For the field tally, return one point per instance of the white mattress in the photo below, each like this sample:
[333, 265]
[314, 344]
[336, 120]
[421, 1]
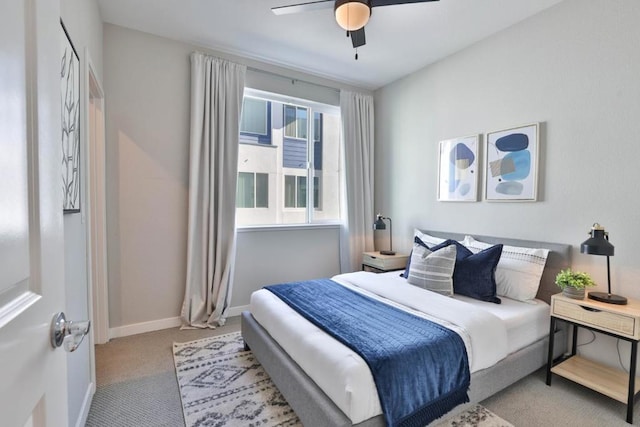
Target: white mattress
[490, 332]
[526, 323]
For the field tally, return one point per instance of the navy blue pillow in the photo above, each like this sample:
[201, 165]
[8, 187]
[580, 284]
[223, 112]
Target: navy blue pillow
[474, 274]
[462, 251]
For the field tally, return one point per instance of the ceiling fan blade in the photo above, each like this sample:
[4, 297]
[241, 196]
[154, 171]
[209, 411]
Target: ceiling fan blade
[302, 7]
[375, 3]
[357, 37]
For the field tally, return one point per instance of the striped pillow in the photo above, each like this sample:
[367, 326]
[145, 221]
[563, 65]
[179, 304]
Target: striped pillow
[519, 270]
[433, 270]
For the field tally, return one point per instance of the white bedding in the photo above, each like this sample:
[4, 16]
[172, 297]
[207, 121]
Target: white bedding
[526, 323]
[490, 332]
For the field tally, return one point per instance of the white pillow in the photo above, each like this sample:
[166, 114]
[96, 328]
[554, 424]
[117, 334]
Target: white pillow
[519, 270]
[427, 238]
[433, 270]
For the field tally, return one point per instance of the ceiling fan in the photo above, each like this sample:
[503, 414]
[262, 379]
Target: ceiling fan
[352, 15]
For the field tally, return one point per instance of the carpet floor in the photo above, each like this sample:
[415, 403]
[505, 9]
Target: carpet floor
[137, 387]
[222, 384]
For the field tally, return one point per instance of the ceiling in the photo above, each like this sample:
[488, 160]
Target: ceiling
[400, 39]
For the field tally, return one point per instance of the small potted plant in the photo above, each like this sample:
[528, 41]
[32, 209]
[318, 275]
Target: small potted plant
[573, 283]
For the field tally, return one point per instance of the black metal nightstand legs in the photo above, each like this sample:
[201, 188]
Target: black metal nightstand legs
[552, 331]
[574, 339]
[632, 380]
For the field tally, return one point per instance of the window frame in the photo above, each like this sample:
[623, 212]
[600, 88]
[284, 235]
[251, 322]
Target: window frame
[311, 175]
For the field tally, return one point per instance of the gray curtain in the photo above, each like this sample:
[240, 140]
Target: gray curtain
[357, 131]
[217, 88]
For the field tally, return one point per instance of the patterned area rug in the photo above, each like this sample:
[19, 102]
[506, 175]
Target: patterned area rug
[223, 385]
[476, 416]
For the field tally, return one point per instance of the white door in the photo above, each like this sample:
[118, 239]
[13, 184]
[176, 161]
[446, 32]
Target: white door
[33, 388]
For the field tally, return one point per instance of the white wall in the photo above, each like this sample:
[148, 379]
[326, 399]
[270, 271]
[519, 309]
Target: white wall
[298, 254]
[576, 69]
[84, 25]
[147, 85]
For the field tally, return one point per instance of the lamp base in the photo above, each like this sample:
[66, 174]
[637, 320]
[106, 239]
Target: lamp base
[387, 253]
[608, 298]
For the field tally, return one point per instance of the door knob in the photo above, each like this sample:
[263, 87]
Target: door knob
[68, 332]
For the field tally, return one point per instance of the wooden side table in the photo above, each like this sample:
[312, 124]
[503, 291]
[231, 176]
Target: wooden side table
[380, 263]
[619, 321]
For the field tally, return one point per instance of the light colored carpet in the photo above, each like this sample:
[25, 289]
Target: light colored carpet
[136, 379]
[137, 387]
[221, 384]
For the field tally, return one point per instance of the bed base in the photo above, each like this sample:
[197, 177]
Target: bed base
[315, 409]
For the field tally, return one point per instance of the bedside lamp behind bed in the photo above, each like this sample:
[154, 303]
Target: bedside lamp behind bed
[380, 225]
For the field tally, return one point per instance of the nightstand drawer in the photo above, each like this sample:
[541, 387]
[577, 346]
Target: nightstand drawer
[384, 262]
[611, 322]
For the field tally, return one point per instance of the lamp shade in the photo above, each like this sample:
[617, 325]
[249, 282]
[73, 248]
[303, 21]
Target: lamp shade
[598, 243]
[352, 14]
[379, 224]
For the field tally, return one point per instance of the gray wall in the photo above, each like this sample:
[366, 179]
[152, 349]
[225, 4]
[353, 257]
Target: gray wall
[272, 255]
[84, 25]
[147, 84]
[575, 68]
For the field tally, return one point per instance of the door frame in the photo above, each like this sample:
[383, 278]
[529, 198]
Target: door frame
[98, 291]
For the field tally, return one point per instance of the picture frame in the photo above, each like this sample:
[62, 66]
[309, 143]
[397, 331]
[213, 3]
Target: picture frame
[458, 169]
[511, 164]
[70, 119]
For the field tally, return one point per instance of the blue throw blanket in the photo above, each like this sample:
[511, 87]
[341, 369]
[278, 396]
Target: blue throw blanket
[420, 368]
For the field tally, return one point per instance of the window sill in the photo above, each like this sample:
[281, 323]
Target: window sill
[257, 144]
[287, 227]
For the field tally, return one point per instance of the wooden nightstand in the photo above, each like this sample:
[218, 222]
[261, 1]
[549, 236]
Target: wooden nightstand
[619, 321]
[380, 263]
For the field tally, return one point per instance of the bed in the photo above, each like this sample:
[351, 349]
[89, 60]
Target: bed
[527, 333]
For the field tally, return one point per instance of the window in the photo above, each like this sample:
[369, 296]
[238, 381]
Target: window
[295, 122]
[317, 127]
[252, 190]
[290, 191]
[295, 191]
[254, 116]
[295, 178]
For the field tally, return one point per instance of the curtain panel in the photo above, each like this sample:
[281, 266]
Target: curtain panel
[217, 88]
[357, 130]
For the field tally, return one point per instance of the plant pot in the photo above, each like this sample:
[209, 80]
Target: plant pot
[573, 293]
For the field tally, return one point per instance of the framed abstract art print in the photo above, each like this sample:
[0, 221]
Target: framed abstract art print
[512, 164]
[458, 169]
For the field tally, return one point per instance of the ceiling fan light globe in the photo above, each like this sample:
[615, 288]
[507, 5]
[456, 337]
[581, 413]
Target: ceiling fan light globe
[352, 15]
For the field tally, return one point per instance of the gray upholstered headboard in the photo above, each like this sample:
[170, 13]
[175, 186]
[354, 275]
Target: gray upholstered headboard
[558, 259]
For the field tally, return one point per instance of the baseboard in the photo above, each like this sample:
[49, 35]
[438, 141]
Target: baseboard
[156, 325]
[140, 328]
[86, 405]
[236, 311]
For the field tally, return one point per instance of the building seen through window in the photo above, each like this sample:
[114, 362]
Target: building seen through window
[289, 163]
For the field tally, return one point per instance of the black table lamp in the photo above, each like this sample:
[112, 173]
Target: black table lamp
[598, 244]
[380, 225]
